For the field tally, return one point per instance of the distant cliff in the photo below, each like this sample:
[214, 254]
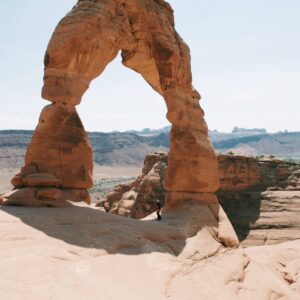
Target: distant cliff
[130, 148]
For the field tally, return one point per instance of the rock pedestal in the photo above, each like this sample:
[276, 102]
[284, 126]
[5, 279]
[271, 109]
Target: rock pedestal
[58, 162]
[60, 154]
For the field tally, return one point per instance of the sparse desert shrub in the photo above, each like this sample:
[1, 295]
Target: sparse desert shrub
[230, 153]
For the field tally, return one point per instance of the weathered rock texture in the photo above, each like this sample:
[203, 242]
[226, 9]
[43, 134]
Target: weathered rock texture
[237, 172]
[267, 211]
[81, 253]
[85, 41]
[58, 160]
[138, 199]
[59, 154]
[261, 197]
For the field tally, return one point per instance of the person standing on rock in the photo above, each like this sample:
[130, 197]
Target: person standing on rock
[158, 209]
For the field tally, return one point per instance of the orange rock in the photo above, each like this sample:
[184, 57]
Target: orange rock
[41, 179]
[60, 154]
[174, 197]
[29, 197]
[44, 197]
[85, 41]
[144, 32]
[238, 172]
[138, 198]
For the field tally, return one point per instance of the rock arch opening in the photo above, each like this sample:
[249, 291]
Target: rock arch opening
[121, 100]
[58, 163]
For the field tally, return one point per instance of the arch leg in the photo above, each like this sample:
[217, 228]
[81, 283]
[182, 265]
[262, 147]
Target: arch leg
[58, 162]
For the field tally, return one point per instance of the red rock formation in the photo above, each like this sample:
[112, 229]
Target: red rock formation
[137, 199]
[60, 154]
[266, 212]
[260, 196]
[238, 172]
[85, 41]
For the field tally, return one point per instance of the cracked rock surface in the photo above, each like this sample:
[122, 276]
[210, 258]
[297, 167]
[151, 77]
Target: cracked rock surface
[79, 253]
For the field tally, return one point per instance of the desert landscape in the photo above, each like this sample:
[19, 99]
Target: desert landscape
[179, 212]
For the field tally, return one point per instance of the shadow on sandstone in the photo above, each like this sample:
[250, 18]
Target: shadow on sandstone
[90, 228]
[242, 208]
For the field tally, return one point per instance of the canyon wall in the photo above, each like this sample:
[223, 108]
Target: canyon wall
[260, 196]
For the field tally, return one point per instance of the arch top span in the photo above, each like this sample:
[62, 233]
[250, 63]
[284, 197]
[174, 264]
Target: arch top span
[88, 38]
[84, 42]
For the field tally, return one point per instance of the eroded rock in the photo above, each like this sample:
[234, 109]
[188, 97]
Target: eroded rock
[238, 172]
[260, 196]
[265, 212]
[44, 197]
[85, 41]
[137, 199]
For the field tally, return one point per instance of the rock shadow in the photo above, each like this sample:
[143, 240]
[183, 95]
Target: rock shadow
[242, 209]
[91, 228]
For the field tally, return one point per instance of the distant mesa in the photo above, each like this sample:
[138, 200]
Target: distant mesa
[130, 148]
[245, 130]
[149, 131]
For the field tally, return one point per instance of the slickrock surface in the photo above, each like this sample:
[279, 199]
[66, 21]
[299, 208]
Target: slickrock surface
[84, 42]
[261, 197]
[82, 253]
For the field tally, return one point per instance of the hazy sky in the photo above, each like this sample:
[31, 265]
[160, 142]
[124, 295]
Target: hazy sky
[245, 60]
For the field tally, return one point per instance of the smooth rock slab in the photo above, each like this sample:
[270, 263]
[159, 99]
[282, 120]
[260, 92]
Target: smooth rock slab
[80, 253]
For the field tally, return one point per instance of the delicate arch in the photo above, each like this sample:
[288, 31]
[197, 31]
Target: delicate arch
[85, 41]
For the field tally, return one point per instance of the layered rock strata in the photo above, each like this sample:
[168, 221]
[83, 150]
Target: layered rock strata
[260, 196]
[58, 162]
[137, 199]
[267, 211]
[85, 41]
[237, 172]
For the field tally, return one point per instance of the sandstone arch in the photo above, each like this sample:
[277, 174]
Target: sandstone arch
[58, 162]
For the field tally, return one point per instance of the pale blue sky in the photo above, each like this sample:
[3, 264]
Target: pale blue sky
[245, 60]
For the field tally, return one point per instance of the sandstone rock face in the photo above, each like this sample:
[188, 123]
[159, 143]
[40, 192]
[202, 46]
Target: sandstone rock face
[44, 197]
[266, 212]
[138, 198]
[238, 172]
[59, 154]
[261, 197]
[85, 41]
